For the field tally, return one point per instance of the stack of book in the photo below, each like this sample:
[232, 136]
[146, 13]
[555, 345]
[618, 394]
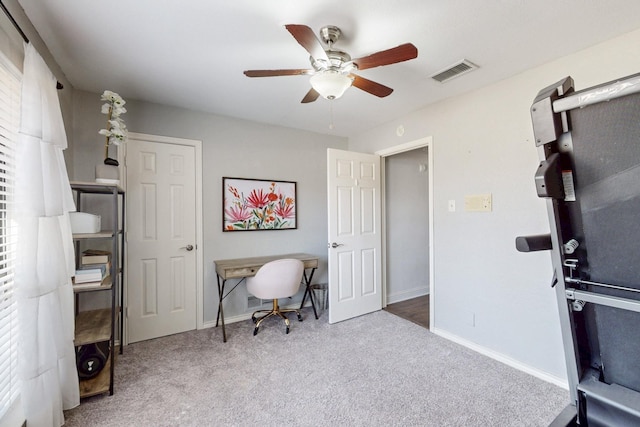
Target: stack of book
[95, 256]
[89, 276]
[95, 265]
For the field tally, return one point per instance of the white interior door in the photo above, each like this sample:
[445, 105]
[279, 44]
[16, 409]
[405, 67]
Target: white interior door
[161, 239]
[355, 241]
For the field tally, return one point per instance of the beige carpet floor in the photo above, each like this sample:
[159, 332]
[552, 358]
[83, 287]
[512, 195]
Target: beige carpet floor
[374, 370]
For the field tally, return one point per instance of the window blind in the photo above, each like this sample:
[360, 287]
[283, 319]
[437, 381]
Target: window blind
[9, 124]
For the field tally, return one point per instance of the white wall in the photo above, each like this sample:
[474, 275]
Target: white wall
[234, 148]
[486, 293]
[407, 225]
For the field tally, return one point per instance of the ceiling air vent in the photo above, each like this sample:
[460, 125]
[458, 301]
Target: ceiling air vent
[457, 69]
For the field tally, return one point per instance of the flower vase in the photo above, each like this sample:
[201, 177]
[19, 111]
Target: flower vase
[107, 174]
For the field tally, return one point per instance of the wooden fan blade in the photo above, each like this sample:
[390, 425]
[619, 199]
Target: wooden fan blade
[308, 40]
[394, 55]
[370, 86]
[311, 96]
[273, 73]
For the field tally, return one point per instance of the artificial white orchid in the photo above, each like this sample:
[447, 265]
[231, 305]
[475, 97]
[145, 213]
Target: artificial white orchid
[116, 132]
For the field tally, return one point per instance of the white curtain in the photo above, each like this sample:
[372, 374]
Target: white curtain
[45, 252]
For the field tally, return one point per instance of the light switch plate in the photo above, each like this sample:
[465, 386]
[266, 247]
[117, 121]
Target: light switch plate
[452, 205]
[478, 203]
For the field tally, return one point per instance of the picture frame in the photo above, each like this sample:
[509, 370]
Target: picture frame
[258, 204]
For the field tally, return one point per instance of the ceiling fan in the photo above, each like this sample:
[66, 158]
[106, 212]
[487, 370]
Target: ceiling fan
[332, 71]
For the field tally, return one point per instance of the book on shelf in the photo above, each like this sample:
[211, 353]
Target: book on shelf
[95, 256]
[93, 274]
[86, 285]
[106, 266]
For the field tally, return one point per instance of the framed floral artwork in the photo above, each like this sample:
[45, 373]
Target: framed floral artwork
[258, 204]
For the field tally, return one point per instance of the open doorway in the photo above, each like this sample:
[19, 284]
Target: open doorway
[415, 310]
[407, 229]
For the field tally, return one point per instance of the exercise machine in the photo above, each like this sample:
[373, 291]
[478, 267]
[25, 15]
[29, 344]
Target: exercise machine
[590, 177]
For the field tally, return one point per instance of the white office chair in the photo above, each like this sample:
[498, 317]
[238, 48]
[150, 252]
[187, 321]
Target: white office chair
[276, 279]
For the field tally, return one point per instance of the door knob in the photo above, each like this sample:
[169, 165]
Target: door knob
[188, 247]
[335, 245]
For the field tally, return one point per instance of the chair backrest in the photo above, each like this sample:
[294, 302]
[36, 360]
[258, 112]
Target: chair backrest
[276, 279]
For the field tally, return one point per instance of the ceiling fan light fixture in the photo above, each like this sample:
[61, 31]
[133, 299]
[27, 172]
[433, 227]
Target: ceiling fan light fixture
[330, 84]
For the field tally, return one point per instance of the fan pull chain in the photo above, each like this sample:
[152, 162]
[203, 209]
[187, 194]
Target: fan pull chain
[331, 114]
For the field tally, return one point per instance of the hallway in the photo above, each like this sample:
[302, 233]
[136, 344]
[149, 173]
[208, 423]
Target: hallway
[415, 310]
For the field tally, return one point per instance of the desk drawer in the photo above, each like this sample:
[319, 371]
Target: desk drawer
[239, 268]
[310, 263]
[241, 272]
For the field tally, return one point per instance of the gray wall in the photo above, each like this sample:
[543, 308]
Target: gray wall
[407, 225]
[487, 295]
[234, 148]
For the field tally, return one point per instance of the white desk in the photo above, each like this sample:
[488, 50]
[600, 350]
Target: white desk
[241, 268]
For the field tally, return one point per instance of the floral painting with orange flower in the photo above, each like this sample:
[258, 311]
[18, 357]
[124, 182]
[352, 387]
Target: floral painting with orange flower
[257, 204]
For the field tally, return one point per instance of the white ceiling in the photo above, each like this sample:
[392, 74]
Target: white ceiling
[192, 53]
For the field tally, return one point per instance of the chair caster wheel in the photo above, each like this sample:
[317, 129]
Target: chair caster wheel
[299, 317]
[253, 318]
[287, 329]
[255, 331]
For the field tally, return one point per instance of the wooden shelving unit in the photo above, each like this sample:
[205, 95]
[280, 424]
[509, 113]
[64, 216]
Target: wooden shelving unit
[93, 326]
[101, 325]
[106, 284]
[99, 384]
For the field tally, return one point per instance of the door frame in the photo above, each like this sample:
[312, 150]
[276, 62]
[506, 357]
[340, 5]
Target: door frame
[197, 145]
[397, 149]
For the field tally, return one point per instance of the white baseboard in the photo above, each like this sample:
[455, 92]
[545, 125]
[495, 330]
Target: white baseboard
[560, 382]
[407, 294]
[228, 320]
